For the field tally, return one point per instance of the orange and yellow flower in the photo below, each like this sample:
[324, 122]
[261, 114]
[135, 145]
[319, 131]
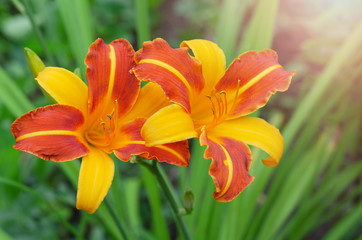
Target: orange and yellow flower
[212, 104]
[92, 121]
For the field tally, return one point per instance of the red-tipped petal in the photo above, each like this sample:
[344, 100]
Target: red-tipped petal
[230, 164]
[109, 78]
[51, 133]
[259, 76]
[134, 145]
[174, 70]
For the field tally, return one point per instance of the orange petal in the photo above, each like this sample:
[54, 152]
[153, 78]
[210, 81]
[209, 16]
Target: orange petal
[95, 178]
[150, 100]
[51, 133]
[250, 81]
[134, 145]
[109, 78]
[174, 70]
[230, 164]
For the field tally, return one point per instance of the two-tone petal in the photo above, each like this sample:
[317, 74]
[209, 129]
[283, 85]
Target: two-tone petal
[51, 133]
[133, 144]
[111, 85]
[253, 131]
[230, 164]
[174, 70]
[250, 81]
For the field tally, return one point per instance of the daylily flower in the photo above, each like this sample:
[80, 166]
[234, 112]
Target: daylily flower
[212, 104]
[92, 121]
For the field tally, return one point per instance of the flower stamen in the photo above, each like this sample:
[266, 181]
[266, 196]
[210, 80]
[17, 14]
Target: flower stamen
[218, 107]
[102, 134]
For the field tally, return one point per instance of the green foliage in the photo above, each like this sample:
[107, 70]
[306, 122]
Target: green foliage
[314, 193]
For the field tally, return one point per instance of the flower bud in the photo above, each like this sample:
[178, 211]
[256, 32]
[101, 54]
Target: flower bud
[36, 65]
[188, 201]
[77, 72]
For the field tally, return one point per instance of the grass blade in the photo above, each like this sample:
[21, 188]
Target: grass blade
[228, 25]
[12, 97]
[159, 226]
[346, 52]
[260, 31]
[51, 209]
[142, 22]
[76, 20]
[340, 230]
[4, 235]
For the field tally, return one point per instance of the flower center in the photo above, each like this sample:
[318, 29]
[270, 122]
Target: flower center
[102, 131]
[219, 105]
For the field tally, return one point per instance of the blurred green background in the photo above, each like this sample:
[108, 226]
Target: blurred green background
[314, 193]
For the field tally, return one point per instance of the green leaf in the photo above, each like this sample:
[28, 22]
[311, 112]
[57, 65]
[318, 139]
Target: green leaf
[351, 220]
[12, 97]
[346, 52]
[228, 25]
[260, 31]
[78, 25]
[142, 21]
[4, 235]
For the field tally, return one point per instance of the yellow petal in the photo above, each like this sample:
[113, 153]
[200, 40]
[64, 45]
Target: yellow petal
[212, 59]
[256, 132]
[170, 124]
[95, 179]
[151, 99]
[64, 86]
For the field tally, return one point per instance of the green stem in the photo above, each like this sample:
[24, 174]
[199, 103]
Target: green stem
[155, 169]
[142, 22]
[115, 218]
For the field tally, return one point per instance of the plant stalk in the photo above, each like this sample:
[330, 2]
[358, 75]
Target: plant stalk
[155, 169]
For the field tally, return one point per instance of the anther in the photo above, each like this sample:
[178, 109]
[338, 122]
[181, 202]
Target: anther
[212, 104]
[223, 93]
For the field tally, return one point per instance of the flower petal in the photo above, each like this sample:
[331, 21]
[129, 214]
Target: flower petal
[250, 81]
[64, 86]
[230, 164]
[109, 77]
[134, 145]
[95, 179]
[212, 59]
[174, 70]
[170, 124]
[51, 133]
[150, 100]
[256, 132]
